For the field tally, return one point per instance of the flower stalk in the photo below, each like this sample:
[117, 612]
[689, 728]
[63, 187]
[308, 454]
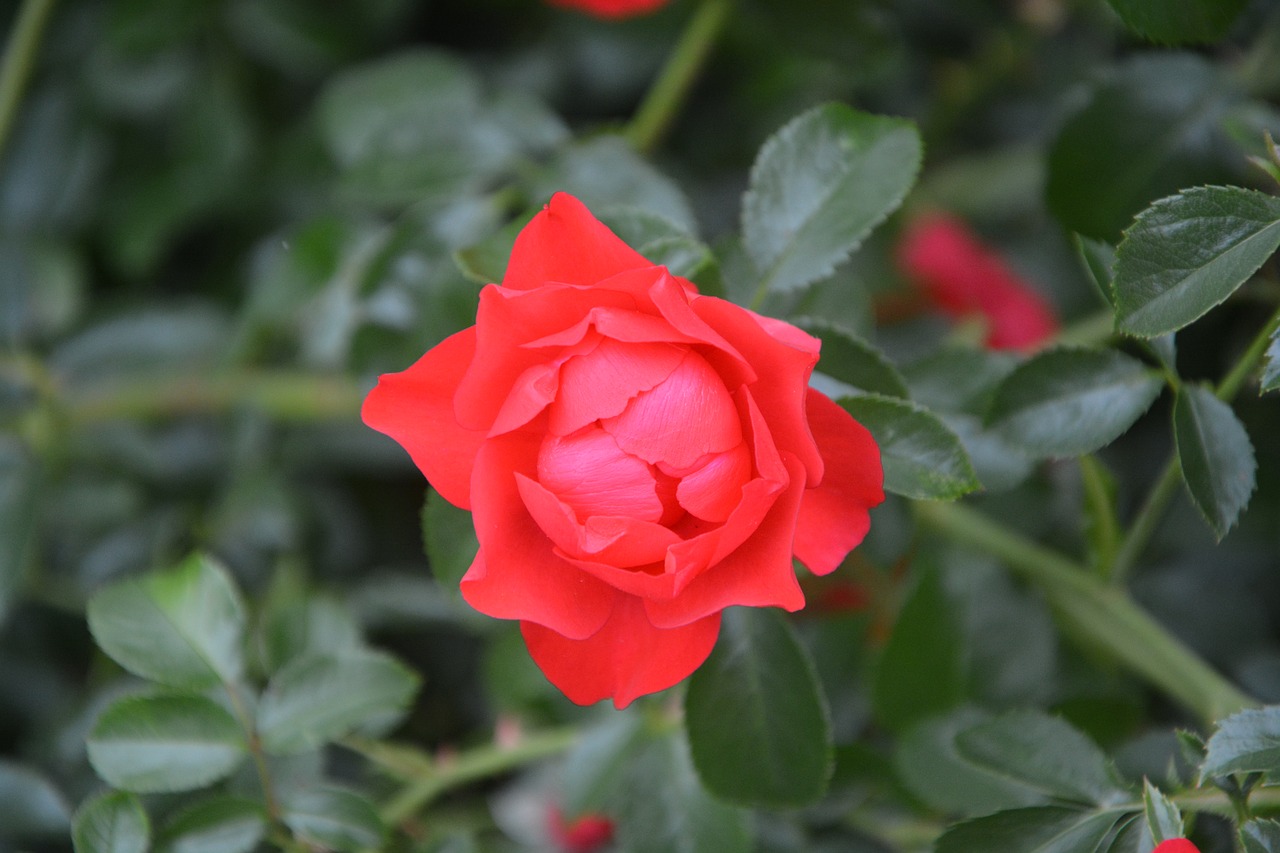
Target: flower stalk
[19, 60]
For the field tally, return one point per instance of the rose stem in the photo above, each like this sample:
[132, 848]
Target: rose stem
[19, 60]
[665, 97]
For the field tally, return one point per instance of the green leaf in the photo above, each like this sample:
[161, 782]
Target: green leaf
[486, 261]
[318, 698]
[167, 742]
[30, 806]
[334, 818]
[112, 822]
[956, 379]
[818, 187]
[1246, 742]
[660, 240]
[930, 764]
[1181, 22]
[1271, 364]
[628, 754]
[922, 458]
[1260, 836]
[220, 825]
[310, 626]
[1099, 260]
[853, 361]
[757, 721]
[1044, 829]
[1150, 128]
[1189, 252]
[1217, 459]
[922, 671]
[1066, 401]
[1163, 819]
[450, 537]
[182, 627]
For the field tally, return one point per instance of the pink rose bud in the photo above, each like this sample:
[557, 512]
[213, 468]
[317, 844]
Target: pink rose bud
[585, 834]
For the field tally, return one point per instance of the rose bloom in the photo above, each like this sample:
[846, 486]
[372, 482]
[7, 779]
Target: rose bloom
[615, 9]
[965, 278]
[637, 457]
[586, 834]
[1176, 845]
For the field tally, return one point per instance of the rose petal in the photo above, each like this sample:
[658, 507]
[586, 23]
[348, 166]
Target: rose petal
[589, 472]
[712, 491]
[415, 407]
[517, 574]
[834, 515]
[627, 658]
[505, 321]
[600, 383]
[783, 378]
[759, 573]
[565, 243]
[686, 416]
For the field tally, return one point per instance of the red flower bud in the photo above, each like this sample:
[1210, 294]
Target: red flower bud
[1176, 845]
[586, 834]
[614, 9]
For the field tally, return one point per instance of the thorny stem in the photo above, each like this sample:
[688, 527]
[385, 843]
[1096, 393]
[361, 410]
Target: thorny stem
[19, 60]
[667, 95]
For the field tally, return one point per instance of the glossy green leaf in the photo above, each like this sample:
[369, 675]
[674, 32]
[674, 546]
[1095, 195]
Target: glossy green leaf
[625, 755]
[1246, 742]
[818, 187]
[1189, 252]
[183, 627]
[1150, 128]
[318, 698]
[853, 361]
[922, 458]
[1163, 819]
[1217, 459]
[111, 822]
[30, 806]
[153, 744]
[450, 537]
[1271, 364]
[1043, 829]
[1099, 260]
[922, 671]
[333, 818]
[220, 825]
[1186, 21]
[1260, 836]
[1065, 402]
[757, 721]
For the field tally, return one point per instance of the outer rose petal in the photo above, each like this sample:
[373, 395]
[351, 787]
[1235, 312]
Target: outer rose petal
[516, 574]
[564, 242]
[415, 407]
[625, 659]
[833, 515]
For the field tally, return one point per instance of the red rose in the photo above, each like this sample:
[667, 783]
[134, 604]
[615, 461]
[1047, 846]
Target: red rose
[1176, 845]
[586, 834]
[636, 457]
[966, 278]
[612, 8]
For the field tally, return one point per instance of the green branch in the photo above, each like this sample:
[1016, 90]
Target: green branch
[663, 102]
[20, 59]
[1101, 614]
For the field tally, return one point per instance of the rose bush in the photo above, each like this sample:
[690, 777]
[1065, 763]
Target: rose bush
[966, 278]
[637, 457]
[612, 8]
